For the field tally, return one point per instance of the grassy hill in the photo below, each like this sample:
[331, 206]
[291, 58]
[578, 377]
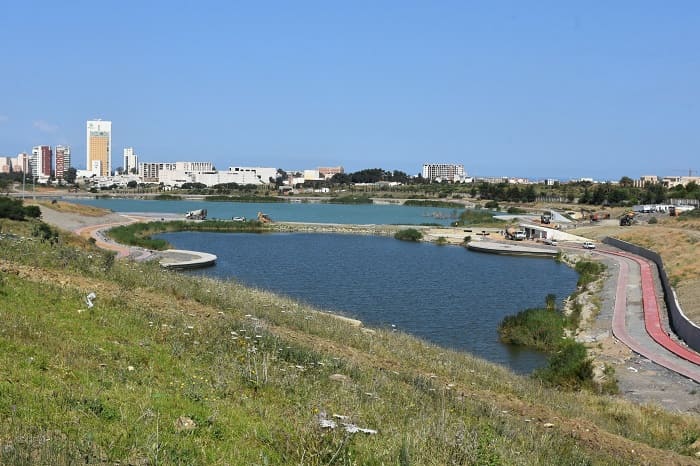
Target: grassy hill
[167, 369]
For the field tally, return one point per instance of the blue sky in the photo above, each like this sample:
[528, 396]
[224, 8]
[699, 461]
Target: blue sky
[539, 89]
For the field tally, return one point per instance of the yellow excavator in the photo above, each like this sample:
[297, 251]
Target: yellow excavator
[626, 219]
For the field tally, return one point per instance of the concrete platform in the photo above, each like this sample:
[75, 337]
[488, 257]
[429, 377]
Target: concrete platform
[181, 259]
[516, 249]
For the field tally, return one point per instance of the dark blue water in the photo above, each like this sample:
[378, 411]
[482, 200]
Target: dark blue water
[288, 212]
[444, 294]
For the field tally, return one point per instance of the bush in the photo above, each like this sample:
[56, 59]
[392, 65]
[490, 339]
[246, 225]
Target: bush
[653, 220]
[410, 234]
[14, 209]
[492, 205]
[516, 210]
[569, 367]
[535, 328]
[588, 271]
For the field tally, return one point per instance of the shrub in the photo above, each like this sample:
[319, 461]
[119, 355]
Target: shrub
[410, 234]
[516, 210]
[492, 205]
[569, 367]
[653, 220]
[536, 328]
[588, 271]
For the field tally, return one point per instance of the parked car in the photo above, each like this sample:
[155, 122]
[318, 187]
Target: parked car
[588, 245]
[551, 242]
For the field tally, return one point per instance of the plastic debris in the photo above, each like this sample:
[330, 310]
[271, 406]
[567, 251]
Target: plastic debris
[89, 298]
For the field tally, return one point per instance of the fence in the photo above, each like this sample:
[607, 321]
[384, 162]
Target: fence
[681, 325]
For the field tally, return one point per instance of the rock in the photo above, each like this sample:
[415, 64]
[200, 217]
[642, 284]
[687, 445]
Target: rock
[185, 424]
[548, 425]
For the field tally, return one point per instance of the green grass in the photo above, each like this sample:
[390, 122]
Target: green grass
[471, 217]
[68, 394]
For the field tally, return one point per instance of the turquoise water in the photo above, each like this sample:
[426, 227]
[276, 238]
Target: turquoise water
[288, 212]
[443, 294]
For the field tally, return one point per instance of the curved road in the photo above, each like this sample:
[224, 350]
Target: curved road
[637, 319]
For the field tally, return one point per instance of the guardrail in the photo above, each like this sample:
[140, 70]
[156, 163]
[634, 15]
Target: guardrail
[681, 325]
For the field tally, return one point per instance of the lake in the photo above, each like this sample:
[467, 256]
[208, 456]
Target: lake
[444, 294]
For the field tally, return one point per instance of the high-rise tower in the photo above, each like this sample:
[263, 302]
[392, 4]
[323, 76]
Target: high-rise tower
[99, 147]
[62, 156]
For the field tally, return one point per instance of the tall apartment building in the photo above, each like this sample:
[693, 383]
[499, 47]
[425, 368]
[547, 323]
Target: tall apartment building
[131, 161]
[444, 171]
[23, 163]
[99, 147]
[62, 156]
[40, 161]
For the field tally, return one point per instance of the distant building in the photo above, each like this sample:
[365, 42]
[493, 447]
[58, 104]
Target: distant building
[443, 171]
[6, 164]
[328, 172]
[645, 180]
[673, 181]
[62, 155]
[22, 164]
[131, 161]
[99, 147]
[40, 161]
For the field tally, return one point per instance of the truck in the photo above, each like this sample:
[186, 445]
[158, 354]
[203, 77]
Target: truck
[516, 235]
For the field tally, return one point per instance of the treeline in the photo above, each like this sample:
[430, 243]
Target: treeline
[375, 175]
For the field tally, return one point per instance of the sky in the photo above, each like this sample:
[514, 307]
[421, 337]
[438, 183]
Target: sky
[542, 89]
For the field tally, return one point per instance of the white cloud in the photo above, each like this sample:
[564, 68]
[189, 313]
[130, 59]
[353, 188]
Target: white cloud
[45, 126]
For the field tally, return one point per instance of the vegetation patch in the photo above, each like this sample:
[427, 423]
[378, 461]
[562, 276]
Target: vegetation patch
[421, 203]
[353, 199]
[478, 217]
[139, 234]
[261, 199]
[545, 329]
[409, 234]
[14, 209]
[167, 197]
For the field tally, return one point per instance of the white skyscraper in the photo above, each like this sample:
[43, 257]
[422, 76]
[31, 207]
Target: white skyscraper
[99, 147]
[131, 161]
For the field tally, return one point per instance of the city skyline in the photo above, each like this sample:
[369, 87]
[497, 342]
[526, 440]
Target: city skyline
[539, 91]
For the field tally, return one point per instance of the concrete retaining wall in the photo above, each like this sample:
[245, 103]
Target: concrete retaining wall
[681, 325]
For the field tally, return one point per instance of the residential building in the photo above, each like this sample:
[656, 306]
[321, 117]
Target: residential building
[131, 161]
[62, 156]
[328, 172]
[673, 181]
[645, 180]
[443, 171]
[99, 147]
[22, 164]
[40, 161]
[6, 164]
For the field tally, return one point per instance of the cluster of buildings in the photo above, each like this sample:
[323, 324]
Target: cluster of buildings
[46, 163]
[43, 163]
